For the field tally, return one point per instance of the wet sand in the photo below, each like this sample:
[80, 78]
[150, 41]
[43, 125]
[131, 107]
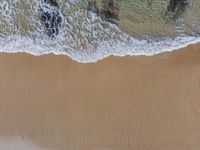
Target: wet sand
[127, 103]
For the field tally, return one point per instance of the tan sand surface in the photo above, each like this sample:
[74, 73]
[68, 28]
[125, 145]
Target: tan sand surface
[127, 103]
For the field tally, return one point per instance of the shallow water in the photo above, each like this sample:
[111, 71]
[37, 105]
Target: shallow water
[16, 143]
[144, 27]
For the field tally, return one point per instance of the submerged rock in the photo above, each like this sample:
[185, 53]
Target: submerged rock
[176, 7]
[51, 22]
[107, 9]
[52, 2]
[177, 3]
[110, 9]
[51, 18]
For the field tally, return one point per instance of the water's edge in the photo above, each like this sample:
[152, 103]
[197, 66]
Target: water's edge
[120, 51]
[116, 55]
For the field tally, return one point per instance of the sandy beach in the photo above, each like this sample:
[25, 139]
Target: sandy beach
[120, 103]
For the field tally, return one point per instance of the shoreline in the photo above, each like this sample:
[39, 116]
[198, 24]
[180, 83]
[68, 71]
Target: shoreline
[118, 103]
[134, 47]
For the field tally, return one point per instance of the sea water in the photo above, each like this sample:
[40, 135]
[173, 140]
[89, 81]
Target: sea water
[143, 27]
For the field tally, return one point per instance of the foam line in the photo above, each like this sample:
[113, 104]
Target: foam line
[133, 47]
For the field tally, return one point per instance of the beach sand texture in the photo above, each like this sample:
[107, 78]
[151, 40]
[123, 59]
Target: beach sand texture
[119, 103]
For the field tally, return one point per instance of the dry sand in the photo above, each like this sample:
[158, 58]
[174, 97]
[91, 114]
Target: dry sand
[127, 103]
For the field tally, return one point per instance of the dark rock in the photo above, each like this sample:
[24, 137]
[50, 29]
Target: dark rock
[111, 10]
[107, 9]
[52, 2]
[177, 7]
[51, 19]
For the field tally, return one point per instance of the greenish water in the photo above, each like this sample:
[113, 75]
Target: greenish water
[151, 17]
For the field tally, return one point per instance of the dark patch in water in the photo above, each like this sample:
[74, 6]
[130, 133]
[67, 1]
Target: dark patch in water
[51, 19]
[110, 10]
[52, 2]
[107, 9]
[176, 8]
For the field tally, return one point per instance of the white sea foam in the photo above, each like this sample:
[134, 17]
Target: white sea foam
[132, 47]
